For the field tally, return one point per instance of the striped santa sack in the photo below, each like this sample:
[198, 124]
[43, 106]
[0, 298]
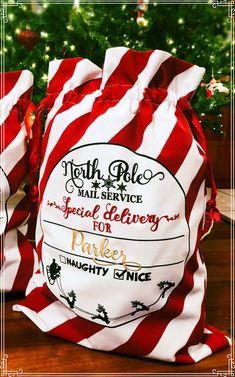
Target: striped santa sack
[121, 211]
[18, 258]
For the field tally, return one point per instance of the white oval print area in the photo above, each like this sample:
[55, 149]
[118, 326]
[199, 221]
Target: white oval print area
[4, 195]
[115, 234]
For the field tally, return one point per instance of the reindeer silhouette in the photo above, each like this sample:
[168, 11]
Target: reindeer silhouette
[140, 306]
[71, 298]
[103, 315]
[164, 286]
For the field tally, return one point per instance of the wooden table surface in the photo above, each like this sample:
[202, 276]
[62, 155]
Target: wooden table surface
[35, 352]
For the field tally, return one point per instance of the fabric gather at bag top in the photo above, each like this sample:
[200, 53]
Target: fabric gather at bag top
[121, 210]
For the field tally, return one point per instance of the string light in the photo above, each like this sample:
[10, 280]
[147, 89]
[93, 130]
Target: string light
[17, 30]
[11, 16]
[174, 50]
[169, 41]
[72, 47]
[47, 48]
[33, 65]
[180, 21]
[70, 27]
[44, 77]
[44, 34]
[46, 57]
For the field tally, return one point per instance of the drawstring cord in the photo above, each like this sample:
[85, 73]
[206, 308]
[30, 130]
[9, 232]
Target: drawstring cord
[212, 213]
[35, 152]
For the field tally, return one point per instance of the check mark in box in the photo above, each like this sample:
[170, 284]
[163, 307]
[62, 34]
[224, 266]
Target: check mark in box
[119, 274]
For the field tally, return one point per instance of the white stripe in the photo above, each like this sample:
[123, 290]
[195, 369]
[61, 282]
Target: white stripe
[12, 260]
[35, 261]
[190, 167]
[199, 351]
[182, 326]
[207, 331]
[84, 71]
[13, 152]
[54, 66]
[229, 340]
[36, 281]
[164, 119]
[23, 228]
[39, 232]
[24, 82]
[110, 123]
[111, 338]
[187, 81]
[196, 217]
[158, 131]
[111, 61]
[50, 317]
[13, 201]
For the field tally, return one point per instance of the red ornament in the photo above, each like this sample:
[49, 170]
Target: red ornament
[28, 39]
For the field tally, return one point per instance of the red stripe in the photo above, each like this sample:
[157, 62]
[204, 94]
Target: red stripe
[219, 339]
[129, 67]
[27, 95]
[25, 269]
[71, 98]
[20, 214]
[39, 249]
[8, 80]
[63, 74]
[215, 341]
[194, 188]
[131, 135]
[76, 329]
[170, 68]
[18, 173]
[184, 358]
[38, 299]
[177, 145]
[150, 330]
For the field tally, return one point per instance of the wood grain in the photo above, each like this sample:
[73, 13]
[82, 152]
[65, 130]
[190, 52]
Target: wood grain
[35, 352]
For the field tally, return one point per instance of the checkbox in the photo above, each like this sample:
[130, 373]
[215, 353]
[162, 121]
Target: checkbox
[62, 259]
[119, 274]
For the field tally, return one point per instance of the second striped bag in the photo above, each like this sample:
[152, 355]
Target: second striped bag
[122, 208]
[18, 257]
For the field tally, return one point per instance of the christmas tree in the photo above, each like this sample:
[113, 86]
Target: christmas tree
[199, 33]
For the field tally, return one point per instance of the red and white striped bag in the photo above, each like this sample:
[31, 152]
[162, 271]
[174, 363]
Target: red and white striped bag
[121, 209]
[18, 258]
